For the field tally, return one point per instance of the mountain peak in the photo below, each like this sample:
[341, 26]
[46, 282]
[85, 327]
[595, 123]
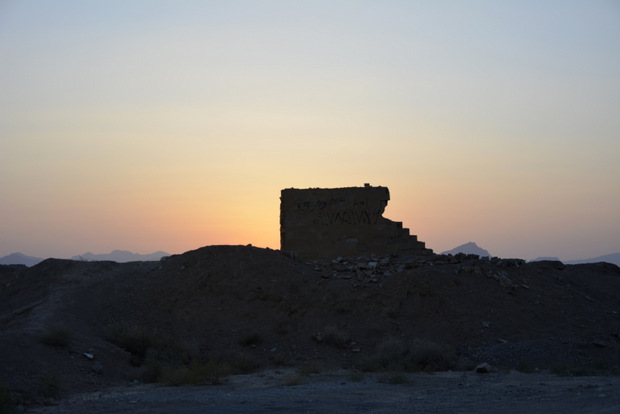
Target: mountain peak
[469, 248]
[20, 258]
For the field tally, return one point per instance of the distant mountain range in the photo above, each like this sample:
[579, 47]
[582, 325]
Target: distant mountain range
[18, 258]
[473, 248]
[609, 258]
[468, 248]
[123, 256]
[120, 256]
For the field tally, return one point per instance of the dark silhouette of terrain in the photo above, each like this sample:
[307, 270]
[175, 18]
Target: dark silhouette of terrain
[123, 256]
[258, 308]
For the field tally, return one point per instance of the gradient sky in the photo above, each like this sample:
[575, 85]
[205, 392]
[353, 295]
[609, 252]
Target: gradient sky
[169, 125]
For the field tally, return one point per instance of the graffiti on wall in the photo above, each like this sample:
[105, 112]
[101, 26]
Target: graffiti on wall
[326, 213]
[349, 216]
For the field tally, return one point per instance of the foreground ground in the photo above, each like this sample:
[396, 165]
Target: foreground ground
[72, 327]
[445, 392]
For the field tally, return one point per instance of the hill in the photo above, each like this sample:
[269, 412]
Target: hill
[21, 259]
[608, 258]
[469, 248]
[218, 310]
[545, 258]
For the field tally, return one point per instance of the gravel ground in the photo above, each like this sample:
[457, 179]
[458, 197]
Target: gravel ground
[447, 392]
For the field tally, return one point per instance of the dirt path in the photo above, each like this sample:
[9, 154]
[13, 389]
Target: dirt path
[341, 392]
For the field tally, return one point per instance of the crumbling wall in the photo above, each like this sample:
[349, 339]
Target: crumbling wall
[323, 223]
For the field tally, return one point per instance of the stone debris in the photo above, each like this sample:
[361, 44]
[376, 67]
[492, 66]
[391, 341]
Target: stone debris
[369, 269]
[373, 269]
[502, 277]
[483, 368]
[97, 367]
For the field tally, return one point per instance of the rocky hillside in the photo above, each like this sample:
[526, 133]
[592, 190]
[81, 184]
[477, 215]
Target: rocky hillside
[79, 326]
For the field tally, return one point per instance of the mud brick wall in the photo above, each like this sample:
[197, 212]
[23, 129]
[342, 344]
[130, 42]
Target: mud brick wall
[324, 223]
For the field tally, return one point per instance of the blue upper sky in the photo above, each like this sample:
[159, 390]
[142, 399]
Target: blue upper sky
[160, 125]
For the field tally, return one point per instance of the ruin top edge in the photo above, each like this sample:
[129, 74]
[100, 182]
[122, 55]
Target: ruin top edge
[366, 186]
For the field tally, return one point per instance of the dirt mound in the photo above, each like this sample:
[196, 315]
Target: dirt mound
[71, 323]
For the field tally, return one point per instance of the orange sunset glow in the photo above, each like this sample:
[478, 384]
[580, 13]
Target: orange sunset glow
[169, 126]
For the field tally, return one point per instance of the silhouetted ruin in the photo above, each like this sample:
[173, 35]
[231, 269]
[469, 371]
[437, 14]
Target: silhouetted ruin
[324, 223]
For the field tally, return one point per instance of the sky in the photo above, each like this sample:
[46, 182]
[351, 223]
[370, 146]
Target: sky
[152, 125]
